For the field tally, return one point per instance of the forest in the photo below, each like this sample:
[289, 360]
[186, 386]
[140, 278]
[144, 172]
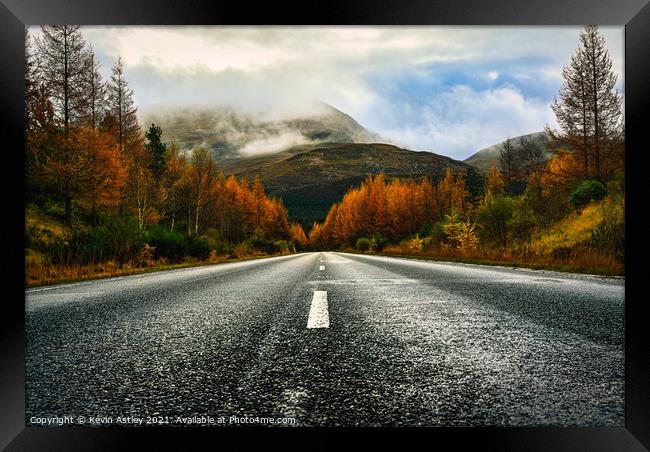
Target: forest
[105, 196]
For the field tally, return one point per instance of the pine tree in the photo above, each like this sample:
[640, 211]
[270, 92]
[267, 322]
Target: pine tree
[588, 109]
[157, 149]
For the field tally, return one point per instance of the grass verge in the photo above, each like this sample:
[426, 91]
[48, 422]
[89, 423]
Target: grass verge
[37, 276]
[608, 267]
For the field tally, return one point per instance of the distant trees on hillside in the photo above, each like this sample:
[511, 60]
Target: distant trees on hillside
[388, 211]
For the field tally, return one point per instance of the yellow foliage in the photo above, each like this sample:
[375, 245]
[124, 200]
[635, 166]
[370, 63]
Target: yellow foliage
[572, 230]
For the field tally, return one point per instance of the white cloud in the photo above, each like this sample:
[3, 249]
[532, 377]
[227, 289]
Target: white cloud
[463, 121]
[286, 69]
[273, 143]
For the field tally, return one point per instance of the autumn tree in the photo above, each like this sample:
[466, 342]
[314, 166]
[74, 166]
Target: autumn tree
[298, 235]
[175, 167]
[140, 185]
[41, 130]
[495, 184]
[201, 173]
[103, 175]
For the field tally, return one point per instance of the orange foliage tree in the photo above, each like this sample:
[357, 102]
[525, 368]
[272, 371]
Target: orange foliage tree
[392, 210]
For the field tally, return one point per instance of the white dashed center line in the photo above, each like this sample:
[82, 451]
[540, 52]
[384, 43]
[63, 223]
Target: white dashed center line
[318, 314]
[321, 268]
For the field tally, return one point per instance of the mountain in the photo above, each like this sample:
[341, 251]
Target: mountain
[229, 132]
[309, 178]
[307, 157]
[486, 157]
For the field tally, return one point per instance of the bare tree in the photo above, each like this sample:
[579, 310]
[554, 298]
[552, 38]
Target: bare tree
[508, 163]
[95, 92]
[122, 108]
[62, 65]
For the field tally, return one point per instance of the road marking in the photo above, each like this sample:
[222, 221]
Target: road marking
[321, 268]
[318, 315]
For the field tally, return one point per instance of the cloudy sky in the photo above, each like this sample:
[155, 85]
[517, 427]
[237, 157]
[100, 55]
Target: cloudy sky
[451, 90]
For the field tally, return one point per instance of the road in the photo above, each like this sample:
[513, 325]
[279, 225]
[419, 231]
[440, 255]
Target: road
[331, 339]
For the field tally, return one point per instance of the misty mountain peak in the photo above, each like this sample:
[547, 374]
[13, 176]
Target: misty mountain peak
[229, 131]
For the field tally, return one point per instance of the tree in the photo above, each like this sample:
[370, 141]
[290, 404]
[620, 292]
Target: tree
[62, 63]
[175, 167]
[140, 183]
[605, 102]
[531, 156]
[157, 149]
[103, 175]
[494, 185]
[508, 163]
[588, 109]
[122, 109]
[201, 174]
[95, 91]
[40, 125]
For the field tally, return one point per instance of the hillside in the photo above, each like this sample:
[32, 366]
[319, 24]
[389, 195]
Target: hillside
[227, 132]
[486, 157]
[310, 178]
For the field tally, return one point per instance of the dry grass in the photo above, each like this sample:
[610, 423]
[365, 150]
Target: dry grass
[572, 230]
[577, 261]
[40, 274]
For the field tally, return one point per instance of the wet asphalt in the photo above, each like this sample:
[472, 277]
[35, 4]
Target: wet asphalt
[409, 342]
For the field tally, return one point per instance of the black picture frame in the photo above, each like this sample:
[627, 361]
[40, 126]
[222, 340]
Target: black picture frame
[633, 14]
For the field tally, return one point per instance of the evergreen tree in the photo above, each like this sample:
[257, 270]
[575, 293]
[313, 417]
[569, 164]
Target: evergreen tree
[157, 149]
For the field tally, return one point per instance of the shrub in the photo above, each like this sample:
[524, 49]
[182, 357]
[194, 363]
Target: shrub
[493, 216]
[199, 248]
[169, 244]
[437, 235]
[146, 255]
[262, 245]
[414, 245]
[459, 235]
[587, 191]
[364, 244]
[523, 222]
[118, 239]
[283, 246]
[378, 242]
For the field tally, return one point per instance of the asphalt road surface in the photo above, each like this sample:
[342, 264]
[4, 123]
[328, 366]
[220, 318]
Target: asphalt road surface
[329, 339]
